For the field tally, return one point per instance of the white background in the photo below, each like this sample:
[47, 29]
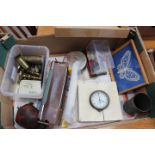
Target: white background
[78, 142]
[77, 13]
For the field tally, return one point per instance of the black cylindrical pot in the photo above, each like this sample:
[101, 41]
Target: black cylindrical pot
[140, 103]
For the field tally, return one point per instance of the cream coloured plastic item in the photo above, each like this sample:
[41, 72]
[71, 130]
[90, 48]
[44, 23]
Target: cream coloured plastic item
[74, 56]
[77, 61]
[68, 112]
[87, 113]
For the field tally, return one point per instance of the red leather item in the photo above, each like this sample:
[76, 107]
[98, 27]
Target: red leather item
[27, 116]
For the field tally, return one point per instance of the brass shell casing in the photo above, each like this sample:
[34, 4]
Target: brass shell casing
[22, 62]
[37, 60]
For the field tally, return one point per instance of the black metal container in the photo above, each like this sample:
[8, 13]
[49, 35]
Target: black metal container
[140, 103]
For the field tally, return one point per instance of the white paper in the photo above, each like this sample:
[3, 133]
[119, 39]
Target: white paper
[30, 87]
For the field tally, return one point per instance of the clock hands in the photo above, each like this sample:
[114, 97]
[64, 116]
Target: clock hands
[100, 98]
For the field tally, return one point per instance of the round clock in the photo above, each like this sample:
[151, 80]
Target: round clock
[99, 100]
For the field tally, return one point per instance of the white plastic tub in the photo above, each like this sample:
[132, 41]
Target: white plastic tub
[8, 87]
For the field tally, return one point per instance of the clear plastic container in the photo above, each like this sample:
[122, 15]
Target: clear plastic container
[99, 57]
[8, 86]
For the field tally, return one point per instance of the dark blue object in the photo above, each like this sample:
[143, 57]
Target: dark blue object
[127, 71]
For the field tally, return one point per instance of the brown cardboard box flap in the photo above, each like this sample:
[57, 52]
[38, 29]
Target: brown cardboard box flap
[92, 31]
[6, 108]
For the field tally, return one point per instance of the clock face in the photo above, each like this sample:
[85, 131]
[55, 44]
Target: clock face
[99, 100]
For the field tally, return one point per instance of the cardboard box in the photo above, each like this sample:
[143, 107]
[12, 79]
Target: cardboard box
[58, 45]
[92, 31]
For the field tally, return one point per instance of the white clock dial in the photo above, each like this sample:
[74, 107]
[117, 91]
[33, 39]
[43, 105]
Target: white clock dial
[99, 100]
